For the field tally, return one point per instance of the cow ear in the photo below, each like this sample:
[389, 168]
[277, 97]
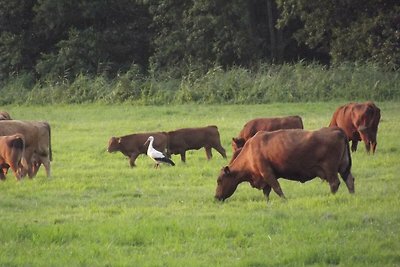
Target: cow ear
[227, 170]
[235, 140]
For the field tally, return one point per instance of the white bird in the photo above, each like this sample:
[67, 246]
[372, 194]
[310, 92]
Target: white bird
[156, 155]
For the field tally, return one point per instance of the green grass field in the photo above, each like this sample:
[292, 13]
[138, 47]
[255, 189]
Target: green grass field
[97, 211]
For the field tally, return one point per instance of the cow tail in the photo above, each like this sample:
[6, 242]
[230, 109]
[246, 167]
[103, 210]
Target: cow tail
[301, 122]
[50, 151]
[348, 167]
[18, 143]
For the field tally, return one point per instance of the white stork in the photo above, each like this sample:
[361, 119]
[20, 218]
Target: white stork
[156, 155]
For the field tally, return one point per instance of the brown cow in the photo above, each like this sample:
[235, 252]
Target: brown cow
[265, 124]
[43, 154]
[291, 154]
[360, 122]
[133, 145]
[181, 140]
[11, 152]
[4, 116]
[37, 142]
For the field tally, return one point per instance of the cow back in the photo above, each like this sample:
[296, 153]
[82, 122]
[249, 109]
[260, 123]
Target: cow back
[269, 125]
[27, 129]
[136, 142]
[192, 138]
[293, 153]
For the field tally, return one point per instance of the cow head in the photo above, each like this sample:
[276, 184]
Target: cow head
[114, 144]
[368, 135]
[368, 126]
[226, 184]
[237, 143]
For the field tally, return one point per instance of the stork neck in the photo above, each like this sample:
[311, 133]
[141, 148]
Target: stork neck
[150, 145]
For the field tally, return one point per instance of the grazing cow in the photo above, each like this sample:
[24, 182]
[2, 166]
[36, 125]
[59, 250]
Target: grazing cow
[181, 140]
[134, 144]
[4, 116]
[360, 122]
[291, 154]
[37, 143]
[265, 124]
[11, 151]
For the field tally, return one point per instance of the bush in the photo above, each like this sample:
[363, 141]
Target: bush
[16, 89]
[298, 82]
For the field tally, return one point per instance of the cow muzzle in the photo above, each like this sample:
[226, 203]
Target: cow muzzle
[219, 198]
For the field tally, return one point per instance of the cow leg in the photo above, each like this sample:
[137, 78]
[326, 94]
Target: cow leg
[35, 167]
[270, 180]
[32, 170]
[334, 182]
[367, 146]
[266, 191]
[221, 151]
[273, 182]
[132, 159]
[17, 174]
[208, 152]
[277, 188]
[46, 164]
[23, 167]
[354, 144]
[2, 173]
[349, 180]
[373, 147]
[183, 156]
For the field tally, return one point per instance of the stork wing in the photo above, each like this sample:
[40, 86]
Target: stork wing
[156, 154]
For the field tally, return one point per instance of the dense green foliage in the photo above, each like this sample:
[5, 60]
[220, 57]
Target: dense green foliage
[60, 40]
[97, 211]
[270, 83]
[356, 30]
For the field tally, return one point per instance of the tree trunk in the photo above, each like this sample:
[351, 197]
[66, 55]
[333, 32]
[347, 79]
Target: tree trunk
[272, 32]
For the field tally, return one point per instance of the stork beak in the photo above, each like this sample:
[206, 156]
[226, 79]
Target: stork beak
[145, 143]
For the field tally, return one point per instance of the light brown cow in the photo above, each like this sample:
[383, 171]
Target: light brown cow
[4, 116]
[11, 152]
[181, 140]
[37, 143]
[43, 154]
[265, 124]
[291, 154]
[133, 145]
[360, 122]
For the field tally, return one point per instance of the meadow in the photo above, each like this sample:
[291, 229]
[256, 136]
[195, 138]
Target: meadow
[97, 211]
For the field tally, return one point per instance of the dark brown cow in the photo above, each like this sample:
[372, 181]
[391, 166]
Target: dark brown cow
[11, 152]
[181, 140]
[37, 142]
[4, 116]
[360, 122]
[291, 154]
[133, 145]
[265, 124]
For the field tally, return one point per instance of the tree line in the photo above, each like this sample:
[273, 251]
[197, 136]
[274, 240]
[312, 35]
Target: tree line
[59, 40]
